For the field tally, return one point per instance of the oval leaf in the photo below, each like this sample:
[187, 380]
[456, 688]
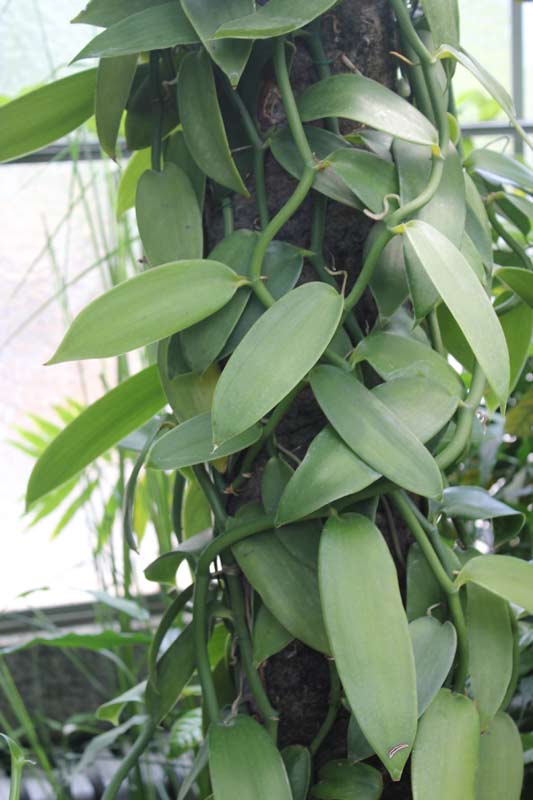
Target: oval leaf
[364, 100]
[202, 122]
[445, 756]
[138, 163]
[113, 84]
[467, 301]
[473, 502]
[173, 671]
[269, 637]
[298, 763]
[54, 111]
[508, 577]
[369, 635]
[501, 761]
[343, 780]
[374, 433]
[99, 427]
[519, 280]
[369, 177]
[155, 304]
[434, 647]
[104, 13]
[274, 19]
[443, 20]
[280, 349]
[168, 216]
[499, 168]
[244, 762]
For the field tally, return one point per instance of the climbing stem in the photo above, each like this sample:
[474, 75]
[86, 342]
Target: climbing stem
[465, 421]
[289, 102]
[140, 745]
[409, 33]
[369, 265]
[157, 100]
[335, 691]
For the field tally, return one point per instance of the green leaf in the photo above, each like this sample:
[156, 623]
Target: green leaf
[244, 762]
[364, 100]
[186, 733]
[105, 640]
[192, 443]
[499, 168]
[490, 647]
[389, 281]
[95, 430]
[343, 780]
[424, 594]
[501, 761]
[113, 83]
[54, 110]
[369, 635]
[293, 598]
[297, 760]
[274, 19]
[506, 576]
[18, 760]
[276, 475]
[203, 126]
[112, 710]
[369, 177]
[473, 502]
[198, 766]
[164, 568]
[154, 28]
[103, 13]
[106, 740]
[195, 511]
[443, 19]
[177, 152]
[445, 756]
[519, 280]
[173, 671]
[466, 299]
[358, 747]
[446, 211]
[519, 420]
[323, 143]
[168, 216]
[394, 356]
[73, 508]
[158, 302]
[269, 636]
[434, 647]
[138, 163]
[206, 17]
[375, 433]
[493, 87]
[289, 339]
[477, 225]
[187, 393]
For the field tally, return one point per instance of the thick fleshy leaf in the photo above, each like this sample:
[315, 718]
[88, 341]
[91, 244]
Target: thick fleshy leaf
[493, 87]
[446, 211]
[157, 303]
[99, 427]
[202, 122]
[280, 349]
[187, 393]
[202, 343]
[276, 475]
[244, 762]
[293, 598]
[113, 84]
[196, 516]
[192, 443]
[424, 594]
[434, 648]
[374, 433]
[519, 280]
[358, 747]
[112, 710]
[269, 636]
[369, 177]
[274, 19]
[389, 281]
[490, 647]
[54, 110]
[343, 780]
[443, 20]
[519, 421]
[506, 576]
[104, 13]
[445, 756]
[164, 568]
[323, 143]
[477, 225]
[422, 405]
[499, 168]
[466, 299]
[371, 643]
[473, 502]
[395, 356]
[154, 28]
[173, 671]
[364, 100]
[297, 760]
[501, 761]
[206, 17]
[177, 152]
[168, 216]
[138, 163]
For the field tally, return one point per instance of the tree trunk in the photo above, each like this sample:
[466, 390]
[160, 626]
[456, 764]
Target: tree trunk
[358, 34]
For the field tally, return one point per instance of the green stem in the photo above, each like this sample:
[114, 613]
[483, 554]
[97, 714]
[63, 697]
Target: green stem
[507, 238]
[314, 45]
[260, 187]
[369, 265]
[227, 216]
[289, 103]
[409, 33]
[436, 336]
[333, 709]
[465, 422]
[175, 608]
[157, 100]
[454, 602]
[139, 746]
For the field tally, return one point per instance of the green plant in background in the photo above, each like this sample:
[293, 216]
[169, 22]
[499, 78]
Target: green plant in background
[429, 677]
